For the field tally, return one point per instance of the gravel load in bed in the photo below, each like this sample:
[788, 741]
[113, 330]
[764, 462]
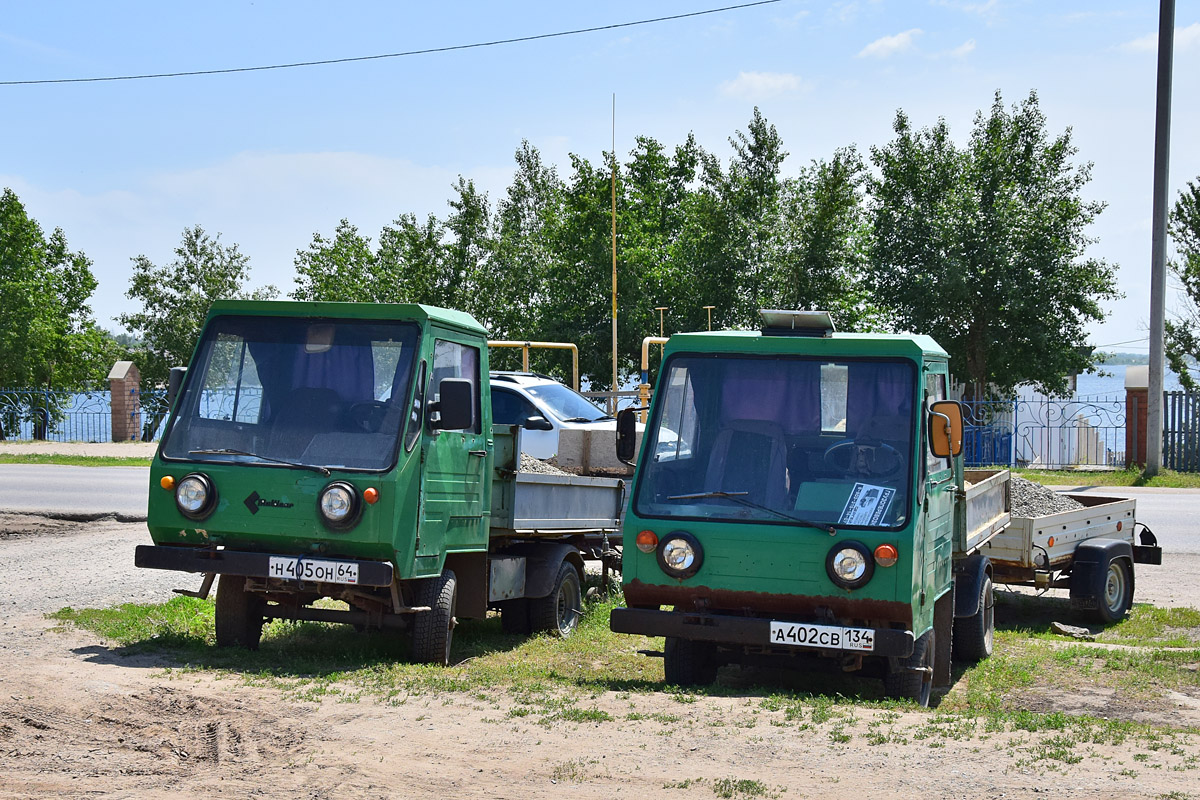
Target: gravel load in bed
[531, 464]
[1031, 499]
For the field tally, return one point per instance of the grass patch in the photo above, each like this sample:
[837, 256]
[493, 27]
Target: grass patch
[74, 461]
[1167, 479]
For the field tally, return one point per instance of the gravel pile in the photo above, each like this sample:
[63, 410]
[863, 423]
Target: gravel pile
[1031, 499]
[531, 464]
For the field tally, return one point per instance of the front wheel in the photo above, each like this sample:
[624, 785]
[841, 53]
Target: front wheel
[912, 678]
[688, 663]
[434, 629]
[558, 612]
[973, 636]
[239, 614]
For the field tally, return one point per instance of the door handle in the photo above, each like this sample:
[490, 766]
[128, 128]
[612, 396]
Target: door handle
[480, 453]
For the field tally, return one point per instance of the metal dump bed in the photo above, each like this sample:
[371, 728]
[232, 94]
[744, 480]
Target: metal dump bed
[1054, 537]
[987, 508]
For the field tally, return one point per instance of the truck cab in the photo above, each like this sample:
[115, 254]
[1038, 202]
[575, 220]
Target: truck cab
[788, 505]
[347, 451]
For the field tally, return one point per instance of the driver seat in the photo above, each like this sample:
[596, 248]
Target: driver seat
[750, 456]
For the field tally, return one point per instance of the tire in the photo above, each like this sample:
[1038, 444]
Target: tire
[434, 629]
[239, 614]
[973, 636]
[689, 663]
[902, 683]
[558, 612]
[1116, 593]
[514, 617]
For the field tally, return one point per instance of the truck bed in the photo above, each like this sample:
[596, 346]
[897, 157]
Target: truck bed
[1057, 535]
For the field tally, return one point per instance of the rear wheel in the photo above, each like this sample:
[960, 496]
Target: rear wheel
[434, 629]
[559, 611]
[689, 663]
[1116, 595]
[239, 614]
[973, 635]
[912, 678]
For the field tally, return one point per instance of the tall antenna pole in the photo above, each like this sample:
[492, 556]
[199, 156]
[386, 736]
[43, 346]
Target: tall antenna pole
[1158, 247]
[615, 387]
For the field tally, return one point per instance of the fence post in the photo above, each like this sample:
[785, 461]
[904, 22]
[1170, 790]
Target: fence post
[1137, 401]
[124, 382]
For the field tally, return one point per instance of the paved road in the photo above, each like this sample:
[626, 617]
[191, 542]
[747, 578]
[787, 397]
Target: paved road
[75, 491]
[1173, 514]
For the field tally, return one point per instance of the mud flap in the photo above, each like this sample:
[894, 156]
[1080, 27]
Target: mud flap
[943, 626]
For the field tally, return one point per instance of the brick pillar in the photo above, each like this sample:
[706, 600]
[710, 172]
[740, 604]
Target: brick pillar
[124, 383]
[1137, 401]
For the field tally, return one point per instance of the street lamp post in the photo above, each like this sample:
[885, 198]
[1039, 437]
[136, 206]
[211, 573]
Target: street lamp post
[709, 309]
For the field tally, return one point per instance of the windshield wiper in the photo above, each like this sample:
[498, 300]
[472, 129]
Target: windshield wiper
[227, 452]
[579, 419]
[738, 497]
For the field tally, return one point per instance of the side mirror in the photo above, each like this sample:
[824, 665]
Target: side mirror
[946, 428]
[627, 435]
[537, 423]
[456, 404]
[175, 383]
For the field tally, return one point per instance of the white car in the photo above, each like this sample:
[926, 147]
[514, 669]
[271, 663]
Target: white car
[519, 396]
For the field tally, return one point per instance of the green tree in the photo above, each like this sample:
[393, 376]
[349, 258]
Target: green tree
[48, 338]
[983, 247]
[175, 298]
[1183, 332]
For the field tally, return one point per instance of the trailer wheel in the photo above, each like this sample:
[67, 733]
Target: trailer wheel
[1116, 594]
[433, 629]
[558, 612]
[514, 617]
[239, 614]
[973, 635]
[912, 678]
[688, 663]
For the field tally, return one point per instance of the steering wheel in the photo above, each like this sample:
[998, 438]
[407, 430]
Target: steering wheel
[368, 417]
[864, 458]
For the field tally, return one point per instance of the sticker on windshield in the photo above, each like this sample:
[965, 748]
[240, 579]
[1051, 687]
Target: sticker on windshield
[867, 505]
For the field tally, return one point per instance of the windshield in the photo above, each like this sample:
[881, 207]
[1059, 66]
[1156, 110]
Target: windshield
[813, 440]
[566, 403]
[327, 393]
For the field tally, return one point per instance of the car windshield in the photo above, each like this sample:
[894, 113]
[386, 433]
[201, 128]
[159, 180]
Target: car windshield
[327, 393]
[566, 403]
[819, 441]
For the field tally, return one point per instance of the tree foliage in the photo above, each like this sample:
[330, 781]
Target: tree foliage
[175, 299]
[1183, 332]
[983, 246]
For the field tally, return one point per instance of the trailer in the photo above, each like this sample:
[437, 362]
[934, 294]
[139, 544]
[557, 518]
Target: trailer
[347, 451]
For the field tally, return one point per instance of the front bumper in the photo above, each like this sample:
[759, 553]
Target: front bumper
[235, 562]
[732, 630]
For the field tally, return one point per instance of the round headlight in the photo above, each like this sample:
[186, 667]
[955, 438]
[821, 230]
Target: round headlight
[680, 554]
[339, 505]
[850, 565]
[195, 496]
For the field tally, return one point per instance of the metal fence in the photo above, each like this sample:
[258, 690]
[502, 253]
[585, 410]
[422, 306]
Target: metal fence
[1048, 433]
[55, 415]
[1181, 431]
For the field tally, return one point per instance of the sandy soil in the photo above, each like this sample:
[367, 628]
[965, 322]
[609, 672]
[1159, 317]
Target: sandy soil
[79, 717]
[108, 449]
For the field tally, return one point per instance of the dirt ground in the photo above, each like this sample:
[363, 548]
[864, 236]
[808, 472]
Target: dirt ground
[80, 718]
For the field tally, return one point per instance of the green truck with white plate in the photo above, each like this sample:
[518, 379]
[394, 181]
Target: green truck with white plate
[800, 499]
[346, 451]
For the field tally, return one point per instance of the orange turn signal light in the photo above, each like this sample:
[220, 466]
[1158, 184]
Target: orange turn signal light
[1050, 541]
[647, 541]
[886, 555]
[167, 482]
[371, 495]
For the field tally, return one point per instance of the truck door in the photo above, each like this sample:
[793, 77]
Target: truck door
[455, 480]
[939, 497]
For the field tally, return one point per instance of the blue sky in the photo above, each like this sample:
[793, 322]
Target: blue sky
[268, 158]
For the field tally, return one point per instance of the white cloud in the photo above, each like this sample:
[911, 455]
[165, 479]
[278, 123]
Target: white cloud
[792, 21]
[761, 85]
[890, 45]
[964, 49]
[984, 9]
[1185, 39]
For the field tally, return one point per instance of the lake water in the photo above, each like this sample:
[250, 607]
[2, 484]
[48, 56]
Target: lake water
[1112, 383]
